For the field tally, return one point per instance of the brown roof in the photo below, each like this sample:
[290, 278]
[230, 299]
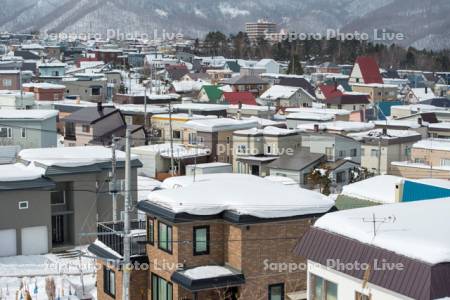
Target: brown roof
[417, 279]
[348, 99]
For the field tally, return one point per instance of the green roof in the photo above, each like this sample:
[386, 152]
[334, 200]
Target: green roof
[234, 66]
[346, 202]
[213, 92]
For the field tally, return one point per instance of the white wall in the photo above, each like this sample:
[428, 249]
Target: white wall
[347, 285]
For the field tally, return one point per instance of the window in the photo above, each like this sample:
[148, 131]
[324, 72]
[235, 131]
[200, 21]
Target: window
[228, 139]
[164, 237]
[359, 296]
[86, 128]
[322, 289]
[109, 282]
[353, 152]
[176, 134]
[23, 133]
[268, 149]
[341, 177]
[150, 230]
[23, 205]
[342, 153]
[445, 162]
[276, 291]
[7, 82]
[363, 151]
[161, 289]
[192, 138]
[58, 197]
[201, 240]
[5, 132]
[374, 152]
[242, 149]
[201, 140]
[329, 152]
[96, 91]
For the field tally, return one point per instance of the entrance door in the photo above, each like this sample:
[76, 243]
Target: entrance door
[255, 170]
[58, 229]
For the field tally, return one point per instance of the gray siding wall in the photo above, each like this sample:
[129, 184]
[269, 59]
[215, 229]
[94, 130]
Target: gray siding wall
[39, 134]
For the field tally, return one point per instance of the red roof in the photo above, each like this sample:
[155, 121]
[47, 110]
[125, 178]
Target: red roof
[330, 91]
[369, 69]
[242, 97]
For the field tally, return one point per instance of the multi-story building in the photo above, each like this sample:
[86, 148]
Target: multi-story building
[259, 29]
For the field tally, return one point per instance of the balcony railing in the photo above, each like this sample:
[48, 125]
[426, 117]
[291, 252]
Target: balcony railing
[111, 234]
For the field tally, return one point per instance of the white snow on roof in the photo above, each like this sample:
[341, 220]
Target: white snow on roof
[184, 86]
[346, 126]
[44, 85]
[241, 193]
[423, 95]
[220, 124]
[184, 116]
[205, 272]
[35, 114]
[444, 125]
[400, 123]
[269, 130]
[281, 179]
[378, 133]
[153, 109]
[145, 186]
[251, 107]
[410, 164]
[380, 189]
[318, 110]
[71, 156]
[19, 172]
[418, 230]
[417, 108]
[179, 151]
[310, 116]
[200, 106]
[433, 144]
[264, 122]
[279, 92]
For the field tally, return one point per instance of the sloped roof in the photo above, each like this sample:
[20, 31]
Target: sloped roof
[246, 79]
[234, 98]
[370, 70]
[213, 93]
[348, 99]
[90, 115]
[330, 91]
[297, 82]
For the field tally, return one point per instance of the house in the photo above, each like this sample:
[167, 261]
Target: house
[356, 103]
[224, 253]
[429, 158]
[341, 172]
[51, 69]
[46, 91]
[9, 80]
[176, 72]
[379, 263]
[336, 127]
[365, 70]
[210, 94]
[98, 125]
[236, 98]
[339, 114]
[381, 147]
[247, 111]
[28, 128]
[377, 91]
[87, 87]
[254, 148]
[297, 166]
[328, 67]
[269, 65]
[297, 82]
[156, 159]
[161, 124]
[16, 100]
[204, 109]
[418, 126]
[112, 56]
[59, 194]
[286, 96]
[217, 76]
[248, 83]
[216, 135]
[416, 95]
[328, 91]
[439, 130]
[295, 119]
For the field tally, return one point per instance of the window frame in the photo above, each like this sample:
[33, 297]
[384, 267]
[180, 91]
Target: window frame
[156, 289]
[107, 282]
[23, 133]
[151, 232]
[169, 240]
[177, 138]
[27, 205]
[194, 240]
[274, 286]
[8, 132]
[86, 128]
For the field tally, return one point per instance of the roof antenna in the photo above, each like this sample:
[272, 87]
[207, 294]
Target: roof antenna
[374, 220]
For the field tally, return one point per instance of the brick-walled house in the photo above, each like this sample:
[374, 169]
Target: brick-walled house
[46, 91]
[227, 246]
[9, 80]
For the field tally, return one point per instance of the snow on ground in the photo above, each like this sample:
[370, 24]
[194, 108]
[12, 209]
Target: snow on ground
[31, 271]
[241, 193]
[416, 229]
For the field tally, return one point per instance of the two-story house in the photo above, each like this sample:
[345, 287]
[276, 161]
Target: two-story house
[223, 246]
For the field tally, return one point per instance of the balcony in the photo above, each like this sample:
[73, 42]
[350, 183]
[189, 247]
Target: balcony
[111, 234]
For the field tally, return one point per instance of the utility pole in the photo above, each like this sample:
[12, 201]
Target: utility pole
[126, 221]
[172, 161]
[21, 88]
[145, 106]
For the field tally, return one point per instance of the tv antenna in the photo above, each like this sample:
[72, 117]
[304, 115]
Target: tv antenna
[378, 221]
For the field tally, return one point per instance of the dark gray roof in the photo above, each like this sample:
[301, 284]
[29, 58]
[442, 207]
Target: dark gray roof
[297, 162]
[246, 79]
[298, 82]
[90, 115]
[40, 183]
[417, 279]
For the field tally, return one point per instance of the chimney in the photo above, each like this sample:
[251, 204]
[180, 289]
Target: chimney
[420, 121]
[316, 127]
[384, 130]
[335, 84]
[99, 107]
[426, 90]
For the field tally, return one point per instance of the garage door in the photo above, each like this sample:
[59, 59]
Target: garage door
[34, 240]
[8, 240]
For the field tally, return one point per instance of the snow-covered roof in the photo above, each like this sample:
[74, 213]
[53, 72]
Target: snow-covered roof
[346, 126]
[399, 123]
[281, 179]
[44, 85]
[380, 189]
[145, 186]
[310, 116]
[279, 92]
[200, 106]
[269, 130]
[423, 94]
[433, 144]
[185, 86]
[71, 156]
[418, 230]
[19, 172]
[220, 124]
[444, 125]
[205, 272]
[185, 116]
[179, 151]
[140, 108]
[390, 134]
[318, 110]
[33, 114]
[241, 193]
